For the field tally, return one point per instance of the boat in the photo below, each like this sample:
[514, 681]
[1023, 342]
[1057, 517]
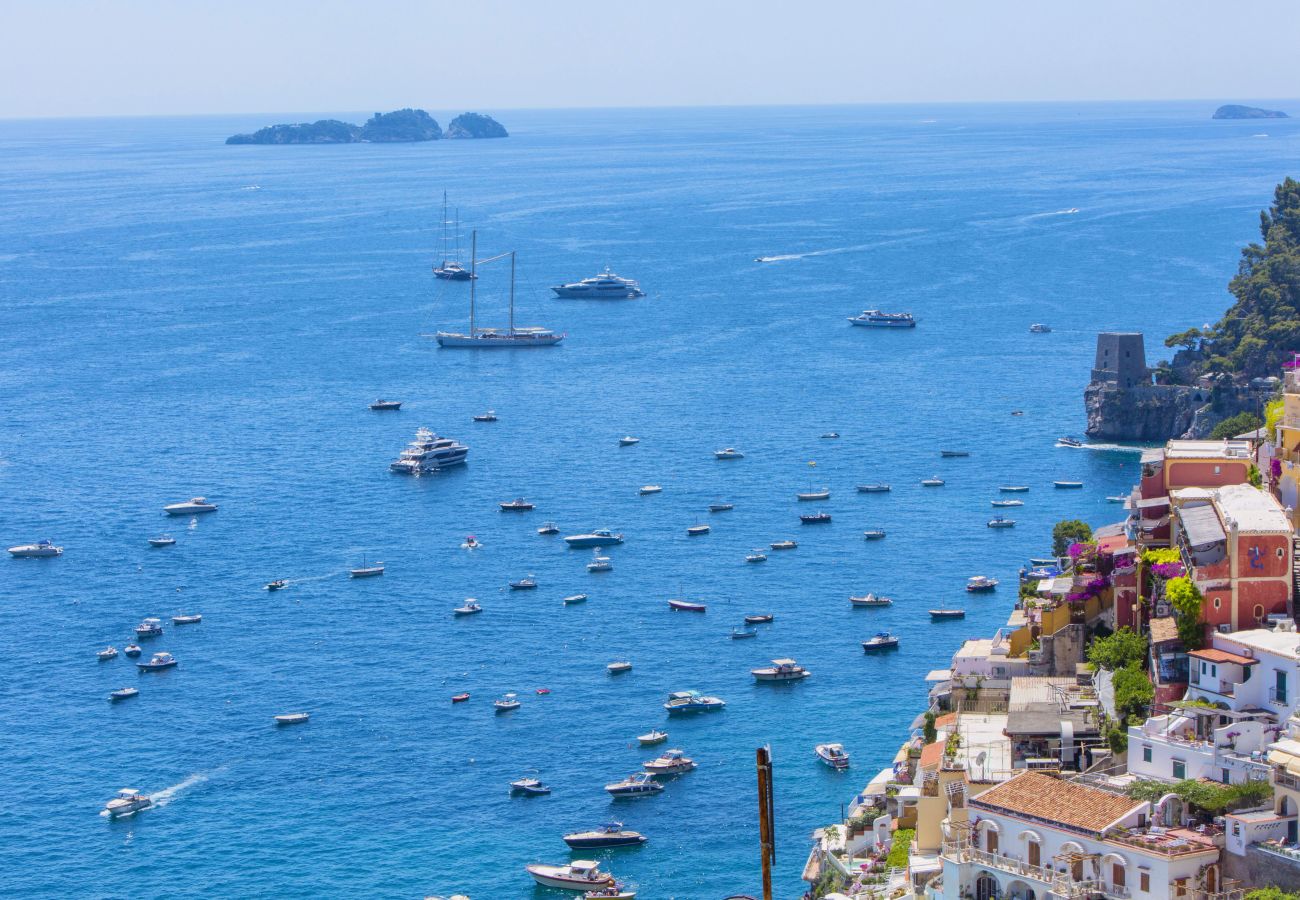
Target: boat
[834, 755]
[1068, 441]
[615, 891]
[605, 286]
[721, 507]
[131, 651]
[470, 543]
[191, 507]
[150, 627]
[106, 654]
[651, 489]
[830, 435]
[1017, 412]
[874, 318]
[636, 785]
[1014, 488]
[697, 530]
[611, 834]
[579, 875]
[528, 583]
[1068, 485]
[1002, 504]
[873, 488]
[487, 338]
[933, 481]
[740, 634]
[691, 702]
[531, 787]
[1040, 328]
[977, 583]
[489, 416]
[652, 737]
[1118, 499]
[882, 641]
[127, 802]
[459, 698]
[628, 441]
[820, 518]
[519, 504]
[386, 405]
[277, 585]
[506, 703]
[543, 691]
[162, 540]
[429, 453]
[548, 528]
[873, 534]
[600, 563]
[817, 494]
[759, 619]
[188, 619]
[618, 667]
[686, 606]
[670, 762]
[1043, 561]
[756, 556]
[366, 571]
[1001, 522]
[158, 662]
[451, 269]
[728, 453]
[297, 718]
[953, 454]
[947, 614]
[575, 598]
[122, 694]
[781, 670]
[870, 600]
[36, 550]
[469, 608]
[601, 537]
[783, 545]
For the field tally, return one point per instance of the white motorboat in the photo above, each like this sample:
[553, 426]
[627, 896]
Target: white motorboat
[882, 641]
[575, 598]
[697, 530]
[132, 650]
[874, 488]
[721, 507]
[162, 540]
[158, 662]
[601, 537]
[977, 583]
[783, 545]
[933, 481]
[604, 286]
[1014, 488]
[628, 441]
[834, 755]
[189, 619]
[506, 703]
[386, 405]
[127, 802]
[579, 875]
[670, 762]
[528, 583]
[781, 670]
[489, 416]
[366, 571]
[36, 550]
[728, 453]
[529, 786]
[830, 435]
[871, 600]
[278, 585]
[937, 614]
[190, 507]
[1003, 504]
[600, 563]
[692, 702]
[636, 785]
[814, 494]
[1040, 328]
[292, 718]
[122, 694]
[614, 891]
[651, 489]
[618, 667]
[1001, 522]
[651, 738]
[107, 653]
[548, 528]
[150, 627]
[873, 534]
[756, 556]
[611, 834]
[519, 504]
[469, 608]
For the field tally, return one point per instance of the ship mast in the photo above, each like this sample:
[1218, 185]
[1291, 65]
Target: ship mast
[512, 293]
[473, 280]
[444, 215]
[444, 228]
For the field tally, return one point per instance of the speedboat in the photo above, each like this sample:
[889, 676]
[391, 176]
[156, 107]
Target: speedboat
[579, 875]
[670, 762]
[127, 802]
[297, 718]
[1068, 485]
[548, 528]
[728, 453]
[36, 550]
[1003, 504]
[628, 441]
[460, 698]
[575, 598]
[468, 609]
[107, 653]
[601, 537]
[686, 606]
[519, 504]
[190, 507]
[820, 518]
[531, 787]
[489, 416]
[122, 694]
[818, 494]
[947, 614]
[278, 584]
[158, 662]
[871, 600]
[652, 737]
[780, 670]
[188, 619]
[834, 755]
[651, 489]
[386, 404]
[162, 540]
[759, 619]
[1068, 441]
[721, 507]
[132, 650]
[618, 667]
[606, 285]
[1014, 488]
[635, 785]
[1001, 522]
[874, 318]
[611, 834]
[506, 703]
[977, 583]
[952, 454]
[524, 584]
[365, 571]
[873, 488]
[740, 634]
[873, 534]
[933, 481]
[1040, 328]
[692, 701]
[882, 641]
[756, 556]
[600, 564]
[697, 530]
[150, 627]
[783, 545]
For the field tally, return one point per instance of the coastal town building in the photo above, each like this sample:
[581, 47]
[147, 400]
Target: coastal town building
[1285, 471]
[1177, 465]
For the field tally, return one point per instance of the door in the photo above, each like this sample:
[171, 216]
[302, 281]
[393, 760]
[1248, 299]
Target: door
[986, 888]
[1035, 853]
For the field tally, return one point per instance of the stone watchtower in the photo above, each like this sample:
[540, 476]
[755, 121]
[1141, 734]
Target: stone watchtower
[1121, 360]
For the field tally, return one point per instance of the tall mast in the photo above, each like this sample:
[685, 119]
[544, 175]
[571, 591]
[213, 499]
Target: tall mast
[444, 227]
[473, 252]
[512, 292]
[457, 233]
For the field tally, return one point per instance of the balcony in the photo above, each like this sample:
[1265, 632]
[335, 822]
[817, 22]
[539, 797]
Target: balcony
[1284, 779]
[963, 852]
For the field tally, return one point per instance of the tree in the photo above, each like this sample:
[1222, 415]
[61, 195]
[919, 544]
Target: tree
[1187, 339]
[1238, 424]
[1067, 532]
[930, 732]
[1121, 649]
[1133, 694]
[1270, 893]
[1186, 601]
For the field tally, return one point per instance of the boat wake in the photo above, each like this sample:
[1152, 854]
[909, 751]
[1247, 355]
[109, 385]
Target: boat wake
[166, 795]
[1047, 215]
[1110, 448]
[909, 235]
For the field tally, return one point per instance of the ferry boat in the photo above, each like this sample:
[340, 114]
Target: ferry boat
[834, 755]
[1040, 328]
[636, 785]
[781, 670]
[882, 641]
[977, 583]
[606, 285]
[601, 537]
[728, 453]
[36, 550]
[1001, 522]
[670, 762]
[382, 405]
[611, 834]
[485, 338]
[870, 600]
[821, 518]
[158, 662]
[429, 453]
[687, 606]
[579, 875]
[691, 702]
[760, 619]
[947, 614]
[783, 545]
[127, 802]
[873, 488]
[519, 504]
[190, 507]
[451, 269]
[150, 627]
[874, 318]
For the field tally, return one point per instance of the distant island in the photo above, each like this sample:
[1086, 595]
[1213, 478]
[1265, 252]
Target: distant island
[400, 126]
[1233, 111]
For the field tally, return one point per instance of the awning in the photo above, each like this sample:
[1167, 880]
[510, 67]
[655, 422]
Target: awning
[1202, 526]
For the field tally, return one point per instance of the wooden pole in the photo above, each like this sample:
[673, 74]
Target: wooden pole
[765, 818]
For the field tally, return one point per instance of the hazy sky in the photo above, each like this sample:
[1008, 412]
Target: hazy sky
[130, 57]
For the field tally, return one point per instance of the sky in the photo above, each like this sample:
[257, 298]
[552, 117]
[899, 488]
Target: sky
[166, 57]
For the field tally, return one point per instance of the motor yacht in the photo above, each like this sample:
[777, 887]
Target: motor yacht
[519, 504]
[469, 608]
[834, 755]
[692, 702]
[528, 583]
[127, 802]
[190, 507]
[106, 654]
[933, 481]
[1040, 328]
[278, 585]
[1068, 441]
[783, 545]
[606, 285]
[870, 600]
[670, 762]
[651, 738]
[36, 550]
[548, 528]
[506, 703]
[820, 518]
[151, 627]
[636, 785]
[882, 641]
[873, 534]
[122, 694]
[611, 834]
[977, 583]
[686, 606]
[1001, 522]
[728, 453]
[530, 787]
[874, 318]
[163, 540]
[187, 619]
[618, 667]
[297, 718]
[759, 619]
[429, 453]
[158, 662]
[697, 530]
[781, 670]
[579, 875]
[756, 556]
[601, 537]
[874, 488]
[380, 405]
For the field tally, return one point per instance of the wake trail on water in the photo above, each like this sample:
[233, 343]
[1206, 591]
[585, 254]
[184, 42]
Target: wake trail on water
[1047, 215]
[166, 795]
[1112, 448]
[830, 251]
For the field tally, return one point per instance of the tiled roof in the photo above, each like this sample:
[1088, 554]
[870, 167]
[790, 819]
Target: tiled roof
[1222, 656]
[931, 755]
[945, 720]
[1054, 801]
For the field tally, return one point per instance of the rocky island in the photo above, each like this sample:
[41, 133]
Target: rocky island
[1234, 111]
[400, 126]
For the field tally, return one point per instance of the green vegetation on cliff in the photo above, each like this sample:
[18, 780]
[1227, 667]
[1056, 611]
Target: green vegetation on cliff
[400, 126]
[403, 125]
[475, 125]
[1237, 111]
[326, 131]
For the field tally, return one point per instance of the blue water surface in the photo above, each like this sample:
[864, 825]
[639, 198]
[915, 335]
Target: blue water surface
[185, 318]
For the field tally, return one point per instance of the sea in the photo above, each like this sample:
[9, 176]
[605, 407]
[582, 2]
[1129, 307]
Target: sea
[183, 318]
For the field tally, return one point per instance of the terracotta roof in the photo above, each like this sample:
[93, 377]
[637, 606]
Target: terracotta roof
[1054, 801]
[945, 720]
[1112, 544]
[931, 755]
[1165, 629]
[1222, 656]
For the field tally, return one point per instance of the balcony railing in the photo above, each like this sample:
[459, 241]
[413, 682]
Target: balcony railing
[962, 851]
[1282, 778]
[1277, 695]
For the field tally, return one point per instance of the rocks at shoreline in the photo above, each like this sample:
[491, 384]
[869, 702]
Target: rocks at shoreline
[1235, 111]
[400, 126]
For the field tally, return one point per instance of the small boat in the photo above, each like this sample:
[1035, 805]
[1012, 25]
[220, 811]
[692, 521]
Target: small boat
[1068, 441]
[819, 494]
[759, 619]
[781, 670]
[933, 481]
[697, 530]
[191, 619]
[190, 507]
[820, 518]
[947, 614]
[106, 654]
[1068, 485]
[686, 606]
[721, 507]
[1001, 522]
[162, 540]
[1017, 412]
[834, 755]
[489, 416]
[519, 504]
[278, 584]
[35, 551]
[601, 537]
[531, 787]
[615, 891]
[977, 583]
[122, 694]
[459, 698]
[1043, 561]
[628, 441]
[386, 404]
[870, 600]
[651, 489]
[953, 454]
[691, 702]
[1117, 499]
[524, 584]
[874, 488]
[543, 691]
[1040, 328]
[158, 662]
[756, 556]
[728, 453]
[575, 598]
[127, 802]
[1003, 504]
[548, 528]
[618, 667]
[1014, 488]
[874, 318]
[670, 762]
[471, 543]
[653, 737]
[600, 563]
[579, 875]
[468, 609]
[365, 571]
[873, 534]
[292, 718]
[150, 627]
[506, 703]
[611, 834]
[783, 545]
[830, 435]
[132, 650]
[636, 785]
[740, 634]
[882, 641]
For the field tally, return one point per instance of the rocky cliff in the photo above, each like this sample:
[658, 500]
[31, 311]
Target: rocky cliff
[1235, 111]
[400, 126]
[475, 125]
[326, 131]
[1161, 412]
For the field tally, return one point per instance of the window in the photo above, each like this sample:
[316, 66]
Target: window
[1035, 853]
[1226, 778]
[1146, 754]
[1218, 601]
[1180, 769]
[1279, 686]
[1144, 882]
[1216, 470]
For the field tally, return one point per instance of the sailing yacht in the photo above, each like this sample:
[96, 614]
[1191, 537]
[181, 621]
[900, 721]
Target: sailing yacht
[451, 269]
[513, 336]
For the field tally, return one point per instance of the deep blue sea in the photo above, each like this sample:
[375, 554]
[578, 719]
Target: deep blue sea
[184, 318]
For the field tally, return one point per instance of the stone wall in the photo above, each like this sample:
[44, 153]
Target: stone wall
[1259, 868]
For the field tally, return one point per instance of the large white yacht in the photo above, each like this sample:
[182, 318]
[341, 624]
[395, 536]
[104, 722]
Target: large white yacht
[604, 285]
[513, 335]
[40, 548]
[874, 318]
[429, 453]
